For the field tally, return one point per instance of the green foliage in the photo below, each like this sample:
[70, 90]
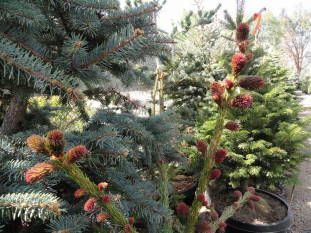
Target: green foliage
[80, 51]
[125, 151]
[306, 85]
[194, 65]
[50, 112]
[268, 148]
[19, 200]
[75, 50]
[69, 223]
[29, 205]
[22, 68]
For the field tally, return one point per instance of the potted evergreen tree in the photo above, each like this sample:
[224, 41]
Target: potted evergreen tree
[273, 214]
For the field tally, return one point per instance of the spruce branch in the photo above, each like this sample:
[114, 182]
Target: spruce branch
[105, 54]
[229, 23]
[76, 223]
[36, 69]
[30, 205]
[54, 144]
[164, 192]
[75, 173]
[26, 47]
[93, 4]
[102, 94]
[23, 12]
[144, 11]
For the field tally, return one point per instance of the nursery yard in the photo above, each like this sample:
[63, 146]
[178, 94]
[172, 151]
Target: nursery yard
[112, 122]
[301, 203]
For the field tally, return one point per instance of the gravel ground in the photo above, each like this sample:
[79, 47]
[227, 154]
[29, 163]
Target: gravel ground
[301, 202]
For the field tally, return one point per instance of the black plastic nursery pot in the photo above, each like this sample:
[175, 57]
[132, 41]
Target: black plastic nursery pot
[189, 192]
[235, 226]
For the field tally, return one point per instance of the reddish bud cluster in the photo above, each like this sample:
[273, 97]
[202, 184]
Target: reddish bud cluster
[220, 155]
[101, 217]
[106, 199]
[75, 153]
[36, 143]
[228, 84]
[201, 146]
[255, 198]
[252, 82]
[127, 228]
[55, 142]
[238, 62]
[182, 209]
[216, 173]
[90, 204]
[201, 197]
[232, 126]
[55, 135]
[102, 185]
[217, 91]
[237, 194]
[242, 32]
[204, 227]
[79, 193]
[242, 101]
[131, 220]
[38, 171]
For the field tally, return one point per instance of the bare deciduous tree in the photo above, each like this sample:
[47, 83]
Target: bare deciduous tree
[297, 35]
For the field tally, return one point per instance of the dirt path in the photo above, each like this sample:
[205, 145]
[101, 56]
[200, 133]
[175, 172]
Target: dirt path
[301, 203]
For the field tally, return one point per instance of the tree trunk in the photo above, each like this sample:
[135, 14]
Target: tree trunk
[16, 112]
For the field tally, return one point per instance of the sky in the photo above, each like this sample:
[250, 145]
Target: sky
[173, 9]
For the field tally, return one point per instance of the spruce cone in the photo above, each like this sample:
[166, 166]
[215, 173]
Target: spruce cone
[252, 82]
[215, 174]
[36, 143]
[101, 217]
[242, 32]
[79, 193]
[182, 209]
[90, 204]
[55, 142]
[220, 155]
[201, 146]
[217, 91]
[238, 62]
[38, 171]
[232, 126]
[242, 101]
[76, 153]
